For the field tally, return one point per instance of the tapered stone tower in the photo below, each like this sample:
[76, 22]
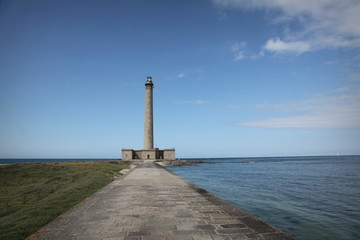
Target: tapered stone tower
[149, 152]
[149, 123]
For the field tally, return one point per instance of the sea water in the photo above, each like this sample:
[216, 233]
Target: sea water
[311, 198]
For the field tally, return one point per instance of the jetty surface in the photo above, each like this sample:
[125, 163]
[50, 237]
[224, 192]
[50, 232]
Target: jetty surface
[150, 202]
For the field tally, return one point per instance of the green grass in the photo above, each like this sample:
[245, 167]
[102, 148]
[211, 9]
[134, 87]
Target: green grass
[33, 194]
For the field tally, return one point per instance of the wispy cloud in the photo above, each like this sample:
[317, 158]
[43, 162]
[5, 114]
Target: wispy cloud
[355, 77]
[199, 101]
[311, 121]
[238, 50]
[277, 45]
[180, 75]
[339, 108]
[323, 23]
[258, 55]
[190, 74]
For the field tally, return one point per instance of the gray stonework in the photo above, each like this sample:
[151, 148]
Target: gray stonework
[169, 154]
[151, 203]
[148, 118]
[127, 154]
[149, 152]
[153, 154]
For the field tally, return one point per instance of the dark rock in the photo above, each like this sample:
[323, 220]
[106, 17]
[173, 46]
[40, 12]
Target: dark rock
[183, 162]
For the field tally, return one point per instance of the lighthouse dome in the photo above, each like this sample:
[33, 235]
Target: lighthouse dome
[149, 79]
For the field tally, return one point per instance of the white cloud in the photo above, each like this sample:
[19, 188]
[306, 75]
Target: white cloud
[339, 108]
[276, 45]
[323, 23]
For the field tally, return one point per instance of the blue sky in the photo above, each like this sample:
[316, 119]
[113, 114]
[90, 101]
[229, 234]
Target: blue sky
[233, 78]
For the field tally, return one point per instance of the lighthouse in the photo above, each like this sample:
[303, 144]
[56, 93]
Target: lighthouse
[149, 152]
[148, 116]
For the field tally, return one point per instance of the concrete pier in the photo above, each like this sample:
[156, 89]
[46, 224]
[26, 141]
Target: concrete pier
[152, 203]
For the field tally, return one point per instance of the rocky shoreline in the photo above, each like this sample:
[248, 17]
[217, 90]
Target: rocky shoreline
[179, 162]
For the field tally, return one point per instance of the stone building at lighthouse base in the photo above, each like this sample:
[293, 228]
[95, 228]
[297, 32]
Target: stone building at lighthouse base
[144, 154]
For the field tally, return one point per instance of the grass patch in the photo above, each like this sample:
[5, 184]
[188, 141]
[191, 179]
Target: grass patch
[33, 194]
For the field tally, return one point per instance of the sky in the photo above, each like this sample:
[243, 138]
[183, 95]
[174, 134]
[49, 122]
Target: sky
[232, 78]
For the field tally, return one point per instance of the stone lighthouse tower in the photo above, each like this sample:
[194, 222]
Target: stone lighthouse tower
[149, 152]
[149, 124]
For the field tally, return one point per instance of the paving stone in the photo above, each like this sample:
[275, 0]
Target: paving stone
[115, 238]
[115, 234]
[234, 230]
[233, 225]
[238, 237]
[253, 236]
[151, 203]
[132, 238]
[205, 227]
[185, 226]
[202, 237]
[181, 237]
[220, 237]
[154, 237]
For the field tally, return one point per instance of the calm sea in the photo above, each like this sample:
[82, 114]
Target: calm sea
[311, 198]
